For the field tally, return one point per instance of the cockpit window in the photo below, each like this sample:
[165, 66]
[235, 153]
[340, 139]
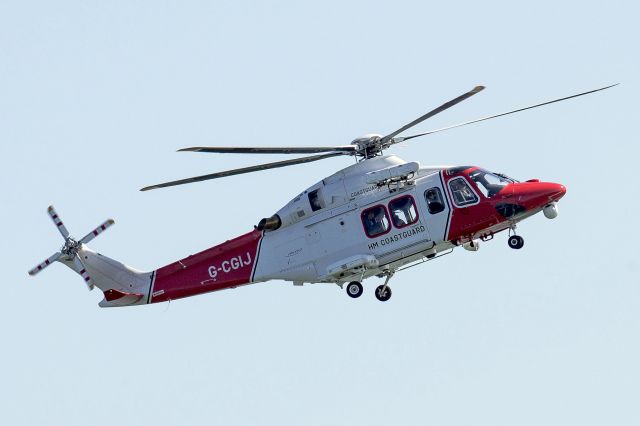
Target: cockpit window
[462, 193]
[403, 211]
[435, 203]
[375, 221]
[488, 183]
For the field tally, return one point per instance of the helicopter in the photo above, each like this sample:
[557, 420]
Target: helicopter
[374, 218]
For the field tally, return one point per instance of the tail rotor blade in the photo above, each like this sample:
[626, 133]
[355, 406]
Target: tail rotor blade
[46, 263]
[58, 222]
[82, 271]
[99, 230]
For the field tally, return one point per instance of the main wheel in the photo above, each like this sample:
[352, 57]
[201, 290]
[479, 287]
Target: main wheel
[354, 289]
[516, 242]
[383, 294]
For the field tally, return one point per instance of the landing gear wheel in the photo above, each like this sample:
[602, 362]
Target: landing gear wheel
[516, 242]
[354, 289]
[383, 294]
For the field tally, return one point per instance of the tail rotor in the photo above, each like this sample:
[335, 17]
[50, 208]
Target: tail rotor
[69, 251]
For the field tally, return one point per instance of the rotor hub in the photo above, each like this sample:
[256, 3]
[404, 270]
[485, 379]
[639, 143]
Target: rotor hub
[368, 145]
[70, 247]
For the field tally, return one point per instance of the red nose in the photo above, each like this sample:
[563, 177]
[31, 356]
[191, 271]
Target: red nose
[556, 191]
[538, 194]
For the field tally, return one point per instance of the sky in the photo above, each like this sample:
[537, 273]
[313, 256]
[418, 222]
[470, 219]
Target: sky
[95, 98]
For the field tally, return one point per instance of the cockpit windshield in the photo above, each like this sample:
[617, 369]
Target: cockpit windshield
[489, 183]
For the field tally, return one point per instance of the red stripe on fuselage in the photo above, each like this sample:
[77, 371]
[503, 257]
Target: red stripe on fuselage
[226, 265]
[485, 218]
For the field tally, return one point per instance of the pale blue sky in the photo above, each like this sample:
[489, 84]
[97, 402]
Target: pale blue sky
[95, 97]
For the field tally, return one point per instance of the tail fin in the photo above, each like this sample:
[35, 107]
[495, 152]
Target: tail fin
[120, 284]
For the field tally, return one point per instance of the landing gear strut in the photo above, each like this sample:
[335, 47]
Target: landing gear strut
[354, 289]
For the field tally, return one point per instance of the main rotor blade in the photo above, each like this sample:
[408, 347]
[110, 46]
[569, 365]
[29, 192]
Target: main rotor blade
[501, 114]
[438, 110]
[271, 150]
[245, 170]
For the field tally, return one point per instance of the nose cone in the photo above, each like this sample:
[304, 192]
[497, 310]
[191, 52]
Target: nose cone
[556, 191]
[538, 194]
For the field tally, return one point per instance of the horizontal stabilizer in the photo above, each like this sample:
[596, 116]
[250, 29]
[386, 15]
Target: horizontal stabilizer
[114, 297]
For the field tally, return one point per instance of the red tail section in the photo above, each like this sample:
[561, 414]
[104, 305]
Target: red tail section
[226, 265]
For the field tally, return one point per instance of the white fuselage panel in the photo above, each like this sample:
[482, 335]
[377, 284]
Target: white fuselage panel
[310, 243]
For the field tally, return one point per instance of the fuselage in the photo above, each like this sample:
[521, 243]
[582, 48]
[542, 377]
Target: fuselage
[361, 221]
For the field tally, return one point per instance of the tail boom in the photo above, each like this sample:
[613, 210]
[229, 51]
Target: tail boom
[227, 265]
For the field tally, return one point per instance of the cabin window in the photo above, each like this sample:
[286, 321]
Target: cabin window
[461, 192]
[435, 202]
[315, 201]
[375, 221]
[403, 211]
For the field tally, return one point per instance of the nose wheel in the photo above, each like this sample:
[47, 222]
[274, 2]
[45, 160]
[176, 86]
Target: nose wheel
[354, 289]
[515, 242]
